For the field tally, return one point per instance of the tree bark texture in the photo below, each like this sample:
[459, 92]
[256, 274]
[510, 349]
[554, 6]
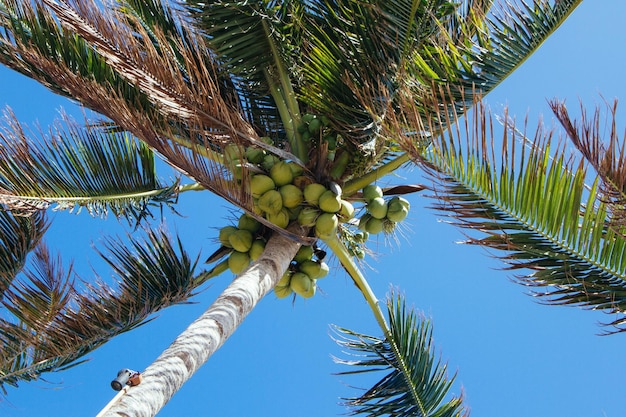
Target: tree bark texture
[192, 348]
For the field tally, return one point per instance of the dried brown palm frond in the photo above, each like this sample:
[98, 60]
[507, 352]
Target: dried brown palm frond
[181, 114]
[601, 145]
[19, 235]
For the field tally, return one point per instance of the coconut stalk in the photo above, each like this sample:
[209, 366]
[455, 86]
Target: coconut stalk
[192, 348]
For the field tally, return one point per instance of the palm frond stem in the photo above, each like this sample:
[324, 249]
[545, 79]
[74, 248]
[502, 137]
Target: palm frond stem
[286, 94]
[37, 200]
[347, 262]
[356, 184]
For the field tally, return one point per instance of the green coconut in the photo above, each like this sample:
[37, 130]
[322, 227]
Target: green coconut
[329, 202]
[346, 212]
[268, 162]
[225, 232]
[374, 226]
[254, 155]
[371, 192]
[257, 248]
[249, 223]
[271, 202]
[281, 173]
[314, 269]
[312, 193]
[241, 240]
[377, 207]
[260, 184]
[302, 285]
[238, 261]
[315, 125]
[292, 195]
[296, 170]
[308, 216]
[283, 292]
[397, 214]
[305, 253]
[232, 152]
[326, 224]
[280, 218]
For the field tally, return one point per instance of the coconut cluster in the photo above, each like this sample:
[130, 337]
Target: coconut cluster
[381, 215]
[282, 194]
[302, 275]
[246, 241]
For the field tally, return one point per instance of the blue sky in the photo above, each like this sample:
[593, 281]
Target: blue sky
[514, 357]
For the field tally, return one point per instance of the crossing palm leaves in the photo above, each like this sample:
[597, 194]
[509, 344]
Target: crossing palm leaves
[56, 322]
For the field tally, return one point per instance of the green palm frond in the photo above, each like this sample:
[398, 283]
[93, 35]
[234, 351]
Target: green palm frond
[516, 31]
[424, 391]
[19, 235]
[482, 47]
[533, 204]
[56, 322]
[75, 168]
[257, 43]
[349, 48]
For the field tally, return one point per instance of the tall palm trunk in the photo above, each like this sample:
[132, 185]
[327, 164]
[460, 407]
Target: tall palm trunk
[192, 348]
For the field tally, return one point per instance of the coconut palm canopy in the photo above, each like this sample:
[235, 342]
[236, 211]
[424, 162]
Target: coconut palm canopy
[346, 92]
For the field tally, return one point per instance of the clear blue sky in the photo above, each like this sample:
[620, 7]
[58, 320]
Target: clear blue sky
[514, 357]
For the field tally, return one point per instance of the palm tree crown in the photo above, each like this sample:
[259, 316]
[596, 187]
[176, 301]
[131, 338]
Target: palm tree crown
[261, 103]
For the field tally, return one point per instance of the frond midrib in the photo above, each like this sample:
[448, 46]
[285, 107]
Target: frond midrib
[139, 195]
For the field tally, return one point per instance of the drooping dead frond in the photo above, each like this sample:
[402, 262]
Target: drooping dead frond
[19, 235]
[179, 113]
[603, 147]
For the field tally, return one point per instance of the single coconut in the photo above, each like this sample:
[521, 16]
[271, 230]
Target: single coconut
[257, 248]
[279, 218]
[312, 193]
[377, 207]
[374, 226]
[314, 269]
[260, 184]
[308, 216]
[346, 212]
[241, 240]
[326, 224]
[302, 285]
[292, 195]
[281, 173]
[329, 202]
[271, 202]
[254, 155]
[371, 192]
[249, 223]
[305, 253]
[225, 232]
[238, 261]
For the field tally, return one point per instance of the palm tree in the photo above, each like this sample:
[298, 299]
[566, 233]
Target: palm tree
[348, 92]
